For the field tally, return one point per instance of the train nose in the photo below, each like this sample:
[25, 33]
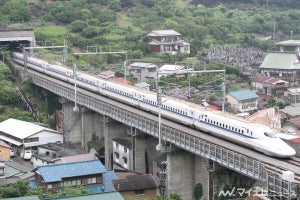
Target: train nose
[286, 151]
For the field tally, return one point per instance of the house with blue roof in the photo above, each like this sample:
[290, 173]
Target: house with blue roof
[243, 100]
[91, 174]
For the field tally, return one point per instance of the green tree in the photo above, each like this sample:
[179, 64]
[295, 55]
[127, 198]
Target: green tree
[115, 5]
[16, 10]
[271, 101]
[198, 191]
[17, 189]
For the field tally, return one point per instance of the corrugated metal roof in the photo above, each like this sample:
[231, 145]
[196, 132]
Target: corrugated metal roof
[56, 172]
[163, 33]
[141, 64]
[243, 94]
[280, 60]
[21, 129]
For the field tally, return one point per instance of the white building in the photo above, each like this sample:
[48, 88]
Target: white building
[26, 134]
[122, 153]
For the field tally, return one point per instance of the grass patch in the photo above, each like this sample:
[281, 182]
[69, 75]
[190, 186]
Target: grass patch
[237, 86]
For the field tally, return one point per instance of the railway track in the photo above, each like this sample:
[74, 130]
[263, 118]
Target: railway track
[293, 163]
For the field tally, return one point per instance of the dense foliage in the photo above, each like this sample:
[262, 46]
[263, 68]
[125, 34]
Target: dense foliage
[11, 105]
[122, 25]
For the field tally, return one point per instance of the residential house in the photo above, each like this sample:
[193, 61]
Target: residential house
[242, 100]
[270, 85]
[107, 75]
[90, 174]
[293, 94]
[270, 117]
[22, 134]
[141, 71]
[291, 111]
[168, 69]
[4, 151]
[143, 85]
[283, 65]
[135, 186]
[167, 41]
[56, 157]
[122, 154]
[11, 172]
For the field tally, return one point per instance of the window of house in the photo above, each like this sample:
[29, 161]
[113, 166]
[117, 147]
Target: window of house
[2, 171]
[50, 186]
[125, 149]
[125, 160]
[140, 191]
[117, 145]
[117, 155]
[91, 180]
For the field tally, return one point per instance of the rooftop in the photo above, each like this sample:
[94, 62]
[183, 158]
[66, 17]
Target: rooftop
[3, 144]
[163, 33]
[281, 60]
[100, 196]
[267, 80]
[243, 94]
[21, 129]
[142, 65]
[134, 182]
[56, 172]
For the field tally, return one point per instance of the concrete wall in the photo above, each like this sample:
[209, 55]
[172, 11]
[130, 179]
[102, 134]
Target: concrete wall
[189, 172]
[79, 127]
[112, 129]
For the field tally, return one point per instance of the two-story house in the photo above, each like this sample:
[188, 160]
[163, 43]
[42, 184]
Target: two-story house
[90, 174]
[242, 100]
[270, 85]
[167, 41]
[122, 153]
[141, 71]
[22, 134]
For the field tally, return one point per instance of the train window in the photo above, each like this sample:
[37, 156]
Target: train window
[270, 135]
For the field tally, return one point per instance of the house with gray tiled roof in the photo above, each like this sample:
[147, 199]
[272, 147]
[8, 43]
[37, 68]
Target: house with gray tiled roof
[11, 172]
[90, 174]
[167, 41]
[283, 65]
[243, 100]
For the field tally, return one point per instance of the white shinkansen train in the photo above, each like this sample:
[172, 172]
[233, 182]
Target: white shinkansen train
[220, 124]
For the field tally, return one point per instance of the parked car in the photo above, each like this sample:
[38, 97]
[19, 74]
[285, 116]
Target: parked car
[27, 154]
[12, 153]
